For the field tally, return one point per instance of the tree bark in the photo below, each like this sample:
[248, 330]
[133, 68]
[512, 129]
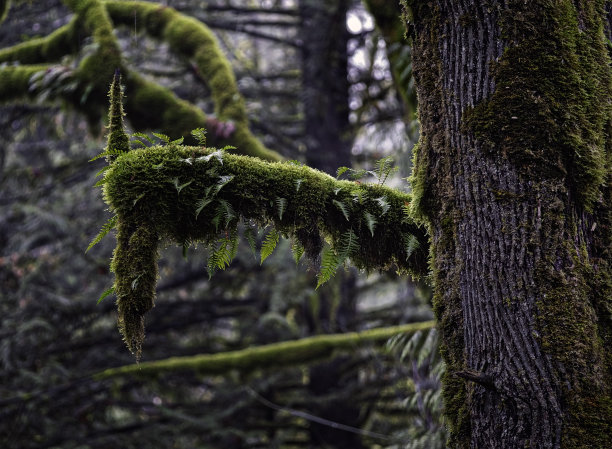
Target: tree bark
[512, 175]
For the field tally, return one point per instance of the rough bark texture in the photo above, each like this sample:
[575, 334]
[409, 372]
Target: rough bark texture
[513, 177]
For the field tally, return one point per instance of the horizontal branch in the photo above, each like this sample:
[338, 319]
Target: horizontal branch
[274, 355]
[190, 194]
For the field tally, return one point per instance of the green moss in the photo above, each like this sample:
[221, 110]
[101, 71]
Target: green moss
[118, 141]
[173, 192]
[5, 6]
[546, 114]
[15, 81]
[269, 356]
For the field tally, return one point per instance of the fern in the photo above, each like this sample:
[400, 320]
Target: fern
[298, 184]
[341, 171]
[106, 293]
[107, 152]
[106, 228]
[143, 136]
[348, 244]
[383, 169]
[370, 221]
[223, 180]
[162, 138]
[201, 204]
[340, 205]
[178, 186]
[297, 250]
[330, 261]
[220, 258]
[199, 134]
[250, 237]
[384, 205]
[411, 244]
[269, 244]
[225, 212]
[281, 206]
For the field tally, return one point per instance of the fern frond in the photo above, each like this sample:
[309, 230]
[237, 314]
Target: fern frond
[341, 171]
[340, 205]
[370, 221]
[330, 261]
[384, 205]
[106, 293]
[297, 250]
[199, 134]
[281, 205]
[225, 212]
[201, 204]
[298, 184]
[411, 244]
[106, 228]
[269, 244]
[250, 237]
[384, 168]
[219, 259]
[178, 186]
[223, 180]
[143, 136]
[348, 244]
[162, 137]
[178, 141]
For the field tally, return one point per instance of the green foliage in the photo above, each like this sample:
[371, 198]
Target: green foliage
[106, 228]
[297, 250]
[200, 135]
[269, 244]
[223, 255]
[106, 293]
[370, 221]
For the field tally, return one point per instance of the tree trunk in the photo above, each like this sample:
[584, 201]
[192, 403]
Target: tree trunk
[513, 177]
[325, 83]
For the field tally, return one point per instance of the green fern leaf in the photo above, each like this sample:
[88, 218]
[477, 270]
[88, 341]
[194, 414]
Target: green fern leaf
[348, 245]
[384, 205]
[411, 244]
[143, 136]
[297, 250]
[106, 293]
[281, 205]
[298, 184]
[341, 171]
[106, 228]
[199, 134]
[223, 255]
[178, 141]
[330, 261]
[250, 237]
[180, 187]
[340, 205]
[223, 180]
[269, 244]
[201, 204]
[370, 221]
[162, 137]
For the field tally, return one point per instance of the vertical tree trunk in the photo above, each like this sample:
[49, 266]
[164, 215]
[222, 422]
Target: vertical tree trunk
[325, 83]
[513, 176]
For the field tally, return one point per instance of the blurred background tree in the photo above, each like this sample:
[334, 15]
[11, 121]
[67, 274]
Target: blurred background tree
[320, 84]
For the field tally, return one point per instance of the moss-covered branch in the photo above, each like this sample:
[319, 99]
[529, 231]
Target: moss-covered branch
[150, 105]
[274, 355]
[192, 194]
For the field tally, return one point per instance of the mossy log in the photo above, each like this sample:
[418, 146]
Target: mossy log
[275, 355]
